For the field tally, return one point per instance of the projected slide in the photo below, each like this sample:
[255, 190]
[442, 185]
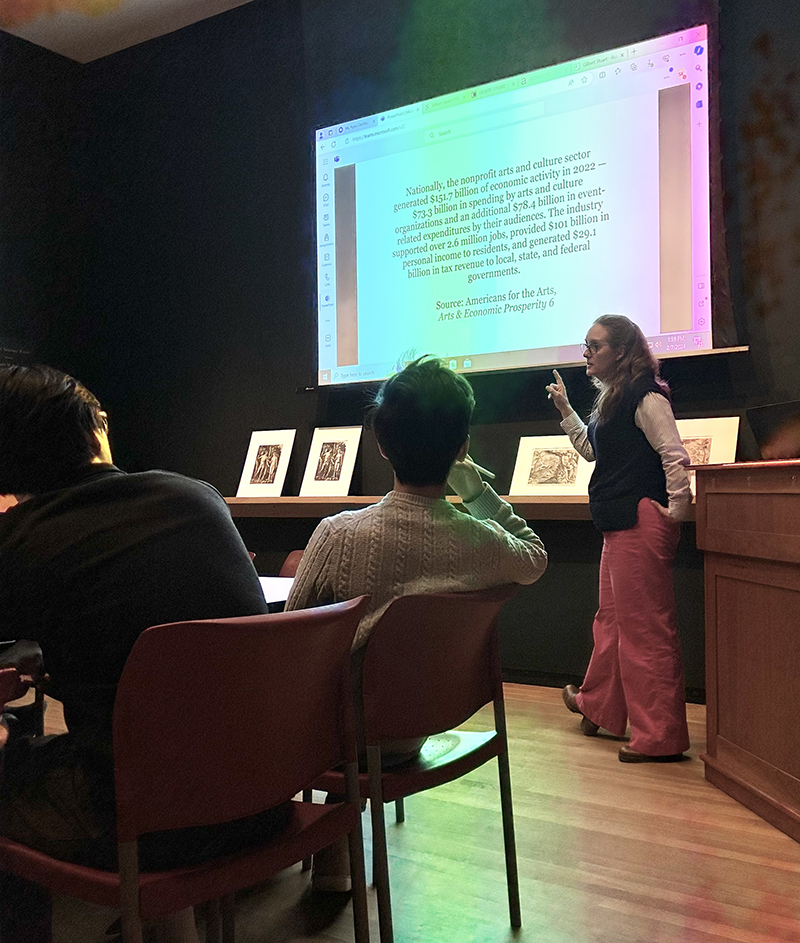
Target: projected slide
[492, 225]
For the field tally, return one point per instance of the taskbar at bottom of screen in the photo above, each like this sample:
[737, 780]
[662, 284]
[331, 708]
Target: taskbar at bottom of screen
[462, 363]
[675, 345]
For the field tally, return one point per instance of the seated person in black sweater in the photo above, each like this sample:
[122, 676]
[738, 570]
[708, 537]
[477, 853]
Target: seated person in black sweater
[89, 558]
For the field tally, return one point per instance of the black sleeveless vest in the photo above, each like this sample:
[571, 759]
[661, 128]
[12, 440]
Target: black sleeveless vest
[627, 468]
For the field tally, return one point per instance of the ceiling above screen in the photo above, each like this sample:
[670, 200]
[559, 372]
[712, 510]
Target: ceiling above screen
[85, 30]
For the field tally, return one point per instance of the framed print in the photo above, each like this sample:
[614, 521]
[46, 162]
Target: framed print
[709, 441]
[548, 464]
[331, 461]
[266, 463]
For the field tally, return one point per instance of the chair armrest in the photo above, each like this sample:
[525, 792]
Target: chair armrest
[25, 655]
[12, 685]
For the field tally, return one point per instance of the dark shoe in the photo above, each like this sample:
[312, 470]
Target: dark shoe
[570, 694]
[588, 727]
[628, 755]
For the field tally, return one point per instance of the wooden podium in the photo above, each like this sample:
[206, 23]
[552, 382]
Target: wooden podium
[748, 524]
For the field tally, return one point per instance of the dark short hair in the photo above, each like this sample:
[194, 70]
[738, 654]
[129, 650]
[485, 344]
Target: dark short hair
[48, 422]
[421, 419]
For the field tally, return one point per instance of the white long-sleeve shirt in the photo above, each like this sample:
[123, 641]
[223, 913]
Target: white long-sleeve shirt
[654, 417]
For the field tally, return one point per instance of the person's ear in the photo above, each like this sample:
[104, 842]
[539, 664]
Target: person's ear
[462, 452]
[622, 352]
[104, 452]
[383, 454]
[101, 434]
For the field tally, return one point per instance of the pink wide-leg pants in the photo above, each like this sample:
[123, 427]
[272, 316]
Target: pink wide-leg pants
[636, 671]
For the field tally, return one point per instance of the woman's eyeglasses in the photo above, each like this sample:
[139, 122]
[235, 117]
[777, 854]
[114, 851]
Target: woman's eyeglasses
[593, 346]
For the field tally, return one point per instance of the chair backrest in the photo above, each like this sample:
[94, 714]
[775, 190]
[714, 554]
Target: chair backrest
[291, 563]
[221, 719]
[431, 662]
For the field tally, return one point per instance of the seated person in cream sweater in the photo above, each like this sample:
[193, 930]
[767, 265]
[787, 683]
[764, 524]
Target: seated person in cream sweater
[414, 541]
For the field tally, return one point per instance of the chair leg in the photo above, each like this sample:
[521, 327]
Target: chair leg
[399, 811]
[228, 908]
[357, 870]
[128, 855]
[380, 855]
[512, 876]
[39, 708]
[213, 922]
[308, 796]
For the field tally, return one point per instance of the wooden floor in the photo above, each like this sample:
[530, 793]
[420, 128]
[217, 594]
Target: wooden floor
[608, 853]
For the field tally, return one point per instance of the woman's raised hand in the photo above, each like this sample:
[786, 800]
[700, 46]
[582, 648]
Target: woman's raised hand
[557, 392]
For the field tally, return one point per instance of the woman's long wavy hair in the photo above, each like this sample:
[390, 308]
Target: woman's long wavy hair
[636, 362]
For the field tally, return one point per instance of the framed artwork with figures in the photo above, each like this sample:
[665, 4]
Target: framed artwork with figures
[266, 463]
[331, 461]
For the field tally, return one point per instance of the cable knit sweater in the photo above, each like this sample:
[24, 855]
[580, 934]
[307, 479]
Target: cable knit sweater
[410, 544]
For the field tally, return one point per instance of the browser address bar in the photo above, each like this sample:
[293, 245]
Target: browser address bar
[524, 109]
[376, 133]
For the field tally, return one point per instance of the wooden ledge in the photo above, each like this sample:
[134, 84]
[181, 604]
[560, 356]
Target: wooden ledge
[539, 508]
[567, 508]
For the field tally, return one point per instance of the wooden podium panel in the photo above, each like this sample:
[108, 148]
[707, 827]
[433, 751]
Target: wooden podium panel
[748, 525]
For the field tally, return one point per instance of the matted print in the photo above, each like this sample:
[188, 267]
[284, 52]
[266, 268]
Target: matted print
[331, 461]
[548, 464]
[709, 441]
[266, 463]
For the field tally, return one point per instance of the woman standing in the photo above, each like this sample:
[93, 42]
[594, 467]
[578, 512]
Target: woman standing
[638, 493]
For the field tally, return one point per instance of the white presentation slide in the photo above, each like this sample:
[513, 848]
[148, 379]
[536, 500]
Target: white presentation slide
[490, 227]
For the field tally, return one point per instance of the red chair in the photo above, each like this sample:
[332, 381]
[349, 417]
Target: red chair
[216, 721]
[11, 687]
[291, 563]
[432, 661]
[14, 685]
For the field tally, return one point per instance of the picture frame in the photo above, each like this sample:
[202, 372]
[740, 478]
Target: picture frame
[331, 460]
[709, 441]
[266, 463]
[549, 465]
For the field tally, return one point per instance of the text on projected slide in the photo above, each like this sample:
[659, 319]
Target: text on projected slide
[490, 226]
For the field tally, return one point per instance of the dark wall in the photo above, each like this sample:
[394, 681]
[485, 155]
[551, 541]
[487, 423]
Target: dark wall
[155, 233]
[761, 146]
[199, 241]
[42, 187]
